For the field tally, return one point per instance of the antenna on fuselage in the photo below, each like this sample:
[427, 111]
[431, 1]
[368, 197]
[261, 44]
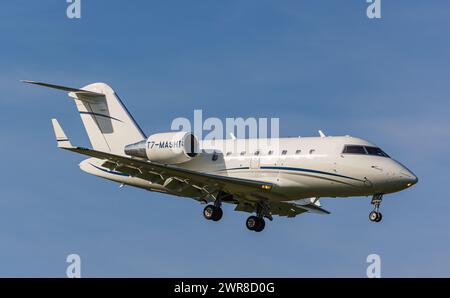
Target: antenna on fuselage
[232, 136]
[322, 135]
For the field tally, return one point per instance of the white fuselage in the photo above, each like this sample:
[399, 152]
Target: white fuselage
[298, 167]
[282, 176]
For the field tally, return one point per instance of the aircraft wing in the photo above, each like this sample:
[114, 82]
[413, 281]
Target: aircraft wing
[199, 179]
[166, 174]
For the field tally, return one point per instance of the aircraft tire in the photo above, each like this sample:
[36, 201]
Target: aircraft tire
[217, 214]
[260, 225]
[251, 223]
[375, 216]
[379, 217]
[213, 213]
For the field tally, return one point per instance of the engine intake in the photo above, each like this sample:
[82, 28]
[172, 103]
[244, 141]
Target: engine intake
[167, 148]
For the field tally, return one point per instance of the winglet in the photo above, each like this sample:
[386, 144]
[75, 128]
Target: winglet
[61, 138]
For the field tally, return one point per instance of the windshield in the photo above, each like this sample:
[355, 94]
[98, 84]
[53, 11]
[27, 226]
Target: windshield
[364, 150]
[375, 151]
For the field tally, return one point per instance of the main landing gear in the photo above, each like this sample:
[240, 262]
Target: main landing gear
[213, 213]
[375, 215]
[255, 223]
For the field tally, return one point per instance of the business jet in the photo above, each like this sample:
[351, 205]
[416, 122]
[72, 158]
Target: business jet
[284, 177]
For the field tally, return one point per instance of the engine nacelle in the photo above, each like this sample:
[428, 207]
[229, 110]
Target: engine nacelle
[167, 148]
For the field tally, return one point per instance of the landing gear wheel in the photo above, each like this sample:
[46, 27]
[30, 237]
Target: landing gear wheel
[218, 213]
[379, 217]
[251, 222]
[260, 226]
[255, 223]
[212, 212]
[208, 212]
[375, 216]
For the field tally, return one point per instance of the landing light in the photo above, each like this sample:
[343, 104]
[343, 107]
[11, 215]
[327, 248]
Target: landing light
[408, 185]
[266, 187]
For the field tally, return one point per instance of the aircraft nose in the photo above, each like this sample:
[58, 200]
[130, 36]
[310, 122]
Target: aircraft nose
[415, 180]
[412, 180]
[407, 176]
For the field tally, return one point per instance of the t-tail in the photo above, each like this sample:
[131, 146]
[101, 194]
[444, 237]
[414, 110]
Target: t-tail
[109, 125]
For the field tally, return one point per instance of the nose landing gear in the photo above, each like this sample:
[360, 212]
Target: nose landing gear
[375, 215]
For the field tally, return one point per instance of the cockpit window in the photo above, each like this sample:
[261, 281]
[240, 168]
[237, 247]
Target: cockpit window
[354, 149]
[376, 151]
[366, 150]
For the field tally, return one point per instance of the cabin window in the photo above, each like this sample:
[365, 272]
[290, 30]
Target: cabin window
[375, 151]
[257, 152]
[242, 153]
[229, 153]
[354, 149]
[270, 152]
[298, 151]
[284, 152]
[215, 156]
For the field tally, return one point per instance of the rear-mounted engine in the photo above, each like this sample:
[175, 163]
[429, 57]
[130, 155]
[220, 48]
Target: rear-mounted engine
[167, 148]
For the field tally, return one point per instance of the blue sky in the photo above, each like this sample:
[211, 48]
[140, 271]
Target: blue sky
[314, 64]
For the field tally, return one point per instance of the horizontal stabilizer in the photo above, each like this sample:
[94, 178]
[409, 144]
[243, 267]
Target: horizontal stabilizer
[61, 138]
[68, 89]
